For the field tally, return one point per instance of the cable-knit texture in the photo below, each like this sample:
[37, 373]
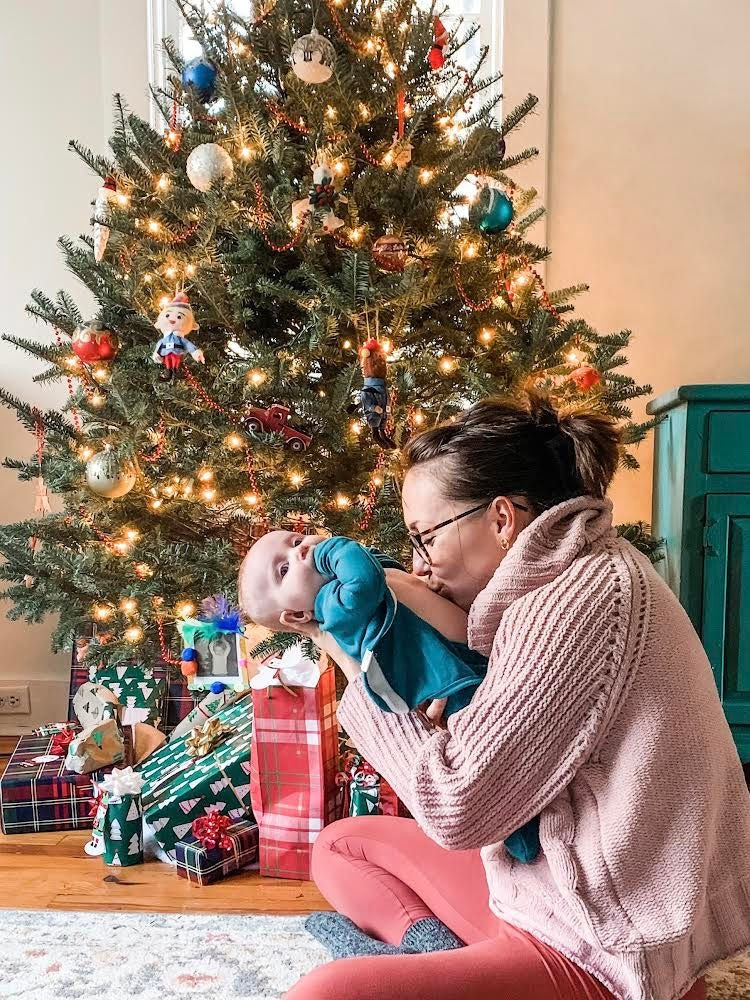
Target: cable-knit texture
[600, 713]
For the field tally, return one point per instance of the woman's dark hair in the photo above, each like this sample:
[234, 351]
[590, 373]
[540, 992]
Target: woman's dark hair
[520, 447]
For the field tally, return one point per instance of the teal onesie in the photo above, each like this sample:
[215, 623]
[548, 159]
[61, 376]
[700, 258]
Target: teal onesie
[405, 661]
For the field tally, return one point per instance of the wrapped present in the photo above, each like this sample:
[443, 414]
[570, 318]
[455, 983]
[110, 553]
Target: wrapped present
[179, 700]
[37, 794]
[123, 820]
[179, 787]
[94, 748]
[93, 703]
[140, 692]
[201, 860]
[293, 761]
[214, 701]
[53, 728]
[364, 792]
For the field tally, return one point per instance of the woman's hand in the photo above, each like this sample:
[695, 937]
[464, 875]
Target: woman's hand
[325, 641]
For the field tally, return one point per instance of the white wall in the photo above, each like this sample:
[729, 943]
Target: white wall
[59, 63]
[649, 173]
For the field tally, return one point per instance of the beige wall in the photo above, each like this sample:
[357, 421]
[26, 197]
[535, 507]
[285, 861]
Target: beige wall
[647, 186]
[59, 63]
[649, 183]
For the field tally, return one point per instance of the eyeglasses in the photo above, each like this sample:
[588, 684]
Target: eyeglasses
[419, 538]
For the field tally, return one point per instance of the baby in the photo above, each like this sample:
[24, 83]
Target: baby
[289, 579]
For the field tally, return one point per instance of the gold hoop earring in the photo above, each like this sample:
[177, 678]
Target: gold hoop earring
[504, 544]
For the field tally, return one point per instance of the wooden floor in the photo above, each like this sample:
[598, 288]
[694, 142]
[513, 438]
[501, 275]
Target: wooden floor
[49, 871]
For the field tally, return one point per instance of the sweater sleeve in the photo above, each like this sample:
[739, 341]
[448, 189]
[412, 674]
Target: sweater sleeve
[357, 580]
[534, 720]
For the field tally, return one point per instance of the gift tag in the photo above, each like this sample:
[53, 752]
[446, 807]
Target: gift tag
[46, 758]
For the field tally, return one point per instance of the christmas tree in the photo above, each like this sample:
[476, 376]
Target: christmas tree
[330, 235]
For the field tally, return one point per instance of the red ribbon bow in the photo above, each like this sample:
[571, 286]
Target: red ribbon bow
[211, 831]
[61, 741]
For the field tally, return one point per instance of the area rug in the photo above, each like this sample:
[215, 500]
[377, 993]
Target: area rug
[175, 956]
[152, 956]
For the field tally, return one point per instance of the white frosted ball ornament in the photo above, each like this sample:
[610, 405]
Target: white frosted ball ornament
[109, 476]
[209, 164]
[313, 58]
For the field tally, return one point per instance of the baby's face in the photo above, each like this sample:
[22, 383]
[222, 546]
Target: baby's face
[279, 575]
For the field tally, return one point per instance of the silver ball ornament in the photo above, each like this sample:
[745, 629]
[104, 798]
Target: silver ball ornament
[109, 476]
[209, 164]
[313, 58]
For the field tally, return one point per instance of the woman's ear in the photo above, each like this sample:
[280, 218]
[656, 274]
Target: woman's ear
[504, 522]
[292, 618]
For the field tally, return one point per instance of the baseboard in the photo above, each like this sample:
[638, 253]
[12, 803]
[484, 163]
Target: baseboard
[48, 697]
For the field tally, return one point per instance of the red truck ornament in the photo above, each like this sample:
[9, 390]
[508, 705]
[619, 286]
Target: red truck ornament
[275, 420]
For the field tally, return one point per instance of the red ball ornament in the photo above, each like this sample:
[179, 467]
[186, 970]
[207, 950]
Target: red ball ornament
[585, 378]
[390, 253]
[94, 342]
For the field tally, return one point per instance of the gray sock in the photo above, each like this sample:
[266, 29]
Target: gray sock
[344, 939]
[430, 934]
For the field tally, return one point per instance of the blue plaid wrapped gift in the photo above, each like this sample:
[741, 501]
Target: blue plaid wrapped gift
[203, 865]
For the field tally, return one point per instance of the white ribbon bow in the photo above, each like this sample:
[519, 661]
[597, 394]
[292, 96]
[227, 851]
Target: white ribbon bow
[122, 781]
[293, 669]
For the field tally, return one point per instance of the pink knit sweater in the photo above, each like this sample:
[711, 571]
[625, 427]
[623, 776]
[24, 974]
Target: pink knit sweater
[599, 712]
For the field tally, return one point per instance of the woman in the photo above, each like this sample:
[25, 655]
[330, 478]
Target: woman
[599, 713]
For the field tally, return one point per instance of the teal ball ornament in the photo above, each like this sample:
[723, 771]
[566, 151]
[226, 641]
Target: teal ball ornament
[492, 211]
[199, 76]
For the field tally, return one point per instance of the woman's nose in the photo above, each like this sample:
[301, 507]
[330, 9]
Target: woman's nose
[420, 566]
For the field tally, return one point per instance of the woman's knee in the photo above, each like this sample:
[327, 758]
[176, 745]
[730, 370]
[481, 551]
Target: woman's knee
[328, 982]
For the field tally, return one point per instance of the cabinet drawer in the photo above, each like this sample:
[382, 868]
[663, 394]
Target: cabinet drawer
[728, 445]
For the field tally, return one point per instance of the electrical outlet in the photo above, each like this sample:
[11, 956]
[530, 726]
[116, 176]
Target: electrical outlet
[15, 700]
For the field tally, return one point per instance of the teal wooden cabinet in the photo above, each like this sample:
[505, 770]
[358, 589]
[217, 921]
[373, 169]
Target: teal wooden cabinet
[702, 511]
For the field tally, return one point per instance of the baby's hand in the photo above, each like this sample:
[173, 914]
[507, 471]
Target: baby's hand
[434, 712]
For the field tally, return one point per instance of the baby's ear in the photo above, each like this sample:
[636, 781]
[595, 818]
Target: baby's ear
[293, 618]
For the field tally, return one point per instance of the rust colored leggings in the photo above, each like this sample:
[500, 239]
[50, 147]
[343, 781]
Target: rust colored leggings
[384, 874]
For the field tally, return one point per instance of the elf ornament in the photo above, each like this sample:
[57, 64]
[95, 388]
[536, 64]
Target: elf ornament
[199, 77]
[374, 395]
[109, 476]
[436, 57]
[94, 342]
[209, 164]
[313, 58]
[175, 321]
[104, 198]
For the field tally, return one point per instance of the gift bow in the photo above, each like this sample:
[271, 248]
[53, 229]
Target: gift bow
[61, 741]
[122, 781]
[292, 670]
[205, 738]
[211, 831]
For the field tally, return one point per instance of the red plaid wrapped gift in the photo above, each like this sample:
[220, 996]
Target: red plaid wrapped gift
[37, 793]
[202, 864]
[293, 761]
